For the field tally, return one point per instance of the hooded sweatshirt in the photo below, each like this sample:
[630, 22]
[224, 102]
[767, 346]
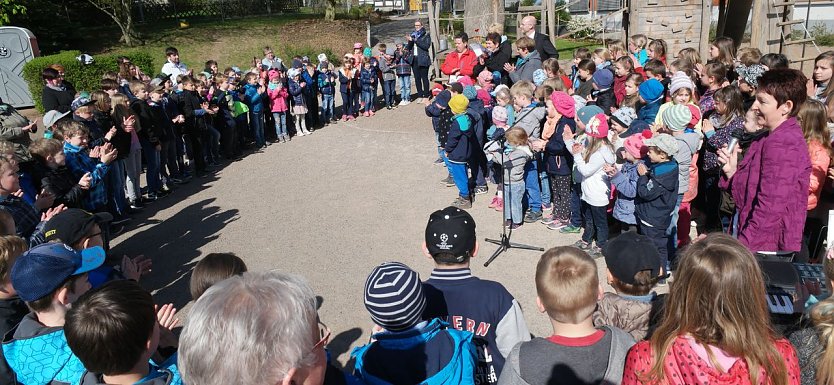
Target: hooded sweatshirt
[657, 194]
[595, 184]
[40, 355]
[688, 144]
[459, 143]
[530, 119]
[625, 182]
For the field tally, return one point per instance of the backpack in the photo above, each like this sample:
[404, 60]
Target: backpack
[240, 108]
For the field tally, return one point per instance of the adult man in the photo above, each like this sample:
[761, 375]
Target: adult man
[544, 47]
[173, 67]
[232, 338]
[462, 61]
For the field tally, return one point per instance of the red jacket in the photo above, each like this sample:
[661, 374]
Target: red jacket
[465, 61]
[619, 87]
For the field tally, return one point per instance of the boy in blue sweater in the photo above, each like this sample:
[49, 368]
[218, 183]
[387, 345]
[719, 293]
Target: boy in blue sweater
[657, 191]
[484, 308]
[407, 349]
[459, 149]
[253, 92]
[48, 277]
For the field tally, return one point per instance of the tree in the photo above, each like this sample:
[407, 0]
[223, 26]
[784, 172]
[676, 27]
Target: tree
[480, 14]
[120, 12]
[330, 10]
[9, 8]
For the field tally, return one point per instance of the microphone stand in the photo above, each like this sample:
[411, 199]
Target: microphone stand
[504, 243]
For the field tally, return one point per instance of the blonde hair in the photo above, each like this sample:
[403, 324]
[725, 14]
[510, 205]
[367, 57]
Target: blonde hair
[497, 28]
[43, 148]
[516, 136]
[594, 144]
[11, 247]
[102, 100]
[118, 100]
[822, 315]
[525, 43]
[617, 49]
[136, 86]
[603, 53]
[556, 84]
[567, 284]
[523, 88]
[505, 95]
[690, 54]
[639, 40]
[814, 121]
[718, 298]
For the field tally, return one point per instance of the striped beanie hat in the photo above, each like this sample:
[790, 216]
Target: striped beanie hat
[394, 296]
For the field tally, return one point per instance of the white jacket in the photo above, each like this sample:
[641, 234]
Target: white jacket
[596, 187]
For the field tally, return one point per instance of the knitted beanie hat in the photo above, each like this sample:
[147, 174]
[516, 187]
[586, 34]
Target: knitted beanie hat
[603, 78]
[635, 146]
[470, 92]
[272, 74]
[564, 104]
[466, 81]
[677, 117]
[499, 115]
[539, 77]
[394, 296]
[485, 77]
[585, 114]
[750, 74]
[651, 90]
[367, 52]
[680, 80]
[322, 58]
[458, 104]
[597, 127]
[485, 97]
[579, 102]
[624, 116]
[696, 115]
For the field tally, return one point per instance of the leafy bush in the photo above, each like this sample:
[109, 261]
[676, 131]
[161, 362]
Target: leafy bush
[289, 51]
[83, 77]
[821, 34]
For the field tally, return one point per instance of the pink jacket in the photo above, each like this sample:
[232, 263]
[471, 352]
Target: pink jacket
[278, 99]
[820, 160]
[770, 190]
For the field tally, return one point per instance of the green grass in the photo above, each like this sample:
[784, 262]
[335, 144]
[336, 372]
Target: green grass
[566, 47]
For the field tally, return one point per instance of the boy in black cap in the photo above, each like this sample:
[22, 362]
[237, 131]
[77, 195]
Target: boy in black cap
[484, 308]
[409, 350]
[49, 277]
[633, 267]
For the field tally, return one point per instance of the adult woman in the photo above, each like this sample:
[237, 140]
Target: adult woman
[770, 185]
[419, 44]
[494, 57]
[528, 61]
[715, 327]
[57, 95]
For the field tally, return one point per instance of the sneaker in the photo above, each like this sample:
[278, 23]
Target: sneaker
[570, 230]
[582, 245]
[500, 205]
[548, 218]
[594, 251]
[515, 225]
[136, 205]
[532, 216]
[405, 103]
[494, 202]
[371, 112]
[481, 190]
[557, 225]
[344, 118]
[366, 114]
[439, 161]
[151, 197]
[449, 181]
[462, 203]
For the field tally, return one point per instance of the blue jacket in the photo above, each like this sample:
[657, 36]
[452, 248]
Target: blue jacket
[625, 182]
[165, 374]
[459, 142]
[252, 98]
[368, 79]
[40, 355]
[296, 93]
[429, 354]
[327, 86]
[649, 111]
[422, 41]
[657, 194]
[440, 103]
[557, 157]
[477, 114]
[347, 85]
[311, 89]
[80, 163]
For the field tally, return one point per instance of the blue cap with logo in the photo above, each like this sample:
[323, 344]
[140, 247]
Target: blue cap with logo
[44, 268]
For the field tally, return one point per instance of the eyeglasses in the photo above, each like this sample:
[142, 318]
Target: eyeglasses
[324, 333]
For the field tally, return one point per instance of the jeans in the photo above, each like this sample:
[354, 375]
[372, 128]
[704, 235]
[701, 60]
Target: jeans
[211, 144]
[347, 104]
[281, 122]
[513, 195]
[116, 186]
[168, 157]
[389, 89]
[133, 164]
[405, 88]
[596, 224]
[531, 183]
[672, 231]
[659, 238]
[367, 100]
[459, 174]
[576, 205]
[326, 109]
[256, 124]
[152, 173]
[544, 179]
[421, 77]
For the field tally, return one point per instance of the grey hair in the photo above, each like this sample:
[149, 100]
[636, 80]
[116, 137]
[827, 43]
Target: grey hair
[249, 329]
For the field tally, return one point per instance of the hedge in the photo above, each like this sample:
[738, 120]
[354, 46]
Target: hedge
[83, 77]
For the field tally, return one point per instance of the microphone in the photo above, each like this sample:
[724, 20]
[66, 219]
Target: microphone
[732, 145]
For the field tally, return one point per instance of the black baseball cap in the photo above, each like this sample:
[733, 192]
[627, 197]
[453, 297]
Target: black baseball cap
[629, 254]
[71, 225]
[451, 231]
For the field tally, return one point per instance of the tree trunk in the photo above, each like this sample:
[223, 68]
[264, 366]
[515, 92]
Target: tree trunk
[330, 10]
[479, 15]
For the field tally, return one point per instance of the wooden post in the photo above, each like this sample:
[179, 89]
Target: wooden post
[764, 28]
[551, 20]
[434, 32]
[706, 17]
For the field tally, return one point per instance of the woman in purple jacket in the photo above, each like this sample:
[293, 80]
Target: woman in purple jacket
[770, 184]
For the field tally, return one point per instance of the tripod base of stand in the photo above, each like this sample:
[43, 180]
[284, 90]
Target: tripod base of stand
[504, 244]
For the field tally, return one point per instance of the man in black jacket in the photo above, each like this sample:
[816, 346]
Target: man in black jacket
[543, 45]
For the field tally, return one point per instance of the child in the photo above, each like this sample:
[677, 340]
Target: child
[367, 80]
[602, 58]
[396, 305]
[557, 156]
[162, 122]
[682, 92]
[713, 77]
[655, 69]
[504, 99]
[625, 179]
[553, 71]
[568, 288]
[723, 51]
[603, 93]
[657, 50]
[389, 76]
[113, 330]
[586, 69]
[58, 180]
[49, 278]
[224, 101]
[499, 122]
[579, 55]
[83, 111]
[133, 161]
[823, 69]
[589, 159]
[622, 70]
[212, 269]
[632, 94]
[194, 110]
[454, 294]
[12, 308]
[516, 155]
[651, 95]
[748, 81]
[478, 163]
[529, 116]
[348, 86]
[637, 49]
[253, 92]
[459, 149]
[310, 76]
[657, 192]
[278, 94]
[148, 137]
[617, 50]
[813, 118]
[299, 109]
[327, 90]
[402, 67]
[724, 277]
[632, 268]
[620, 126]
[81, 163]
